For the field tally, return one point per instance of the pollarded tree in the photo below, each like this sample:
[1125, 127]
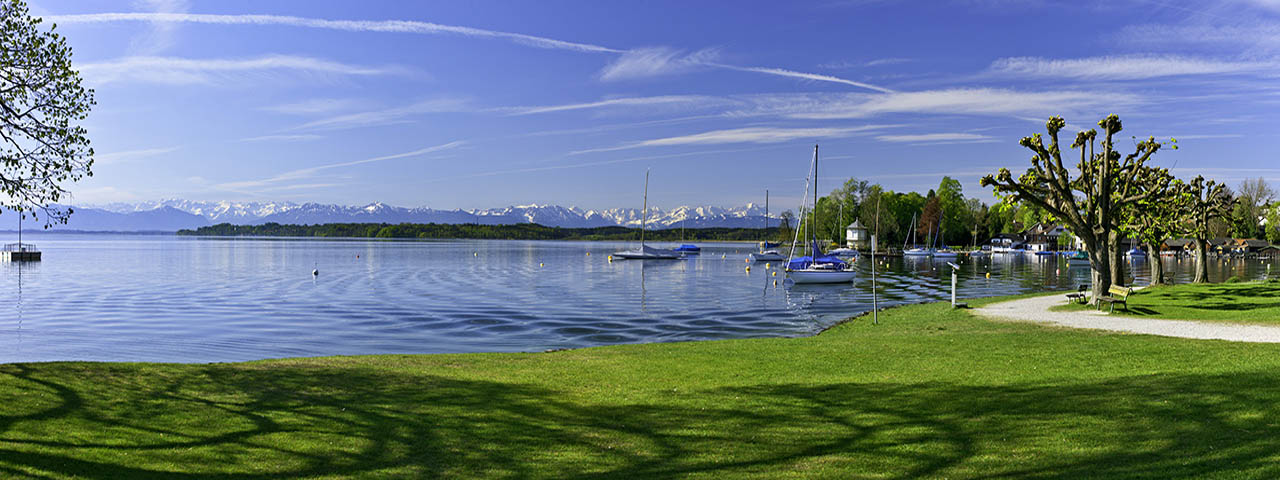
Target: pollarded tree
[1208, 200]
[42, 102]
[1157, 218]
[1106, 184]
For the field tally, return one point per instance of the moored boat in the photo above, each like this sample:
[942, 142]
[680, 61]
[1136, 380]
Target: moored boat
[646, 252]
[819, 267]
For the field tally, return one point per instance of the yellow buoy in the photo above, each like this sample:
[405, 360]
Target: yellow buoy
[475, 254]
[766, 266]
[541, 264]
[588, 254]
[988, 274]
[722, 256]
[774, 274]
[775, 283]
[610, 258]
[748, 268]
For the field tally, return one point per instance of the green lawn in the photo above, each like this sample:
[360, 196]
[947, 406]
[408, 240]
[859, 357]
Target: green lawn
[931, 392]
[1251, 302]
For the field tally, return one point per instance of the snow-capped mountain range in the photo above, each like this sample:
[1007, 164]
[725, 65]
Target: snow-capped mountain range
[174, 214]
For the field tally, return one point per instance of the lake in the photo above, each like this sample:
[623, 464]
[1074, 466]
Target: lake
[188, 299]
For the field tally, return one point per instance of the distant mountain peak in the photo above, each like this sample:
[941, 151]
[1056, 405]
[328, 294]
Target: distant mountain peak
[175, 213]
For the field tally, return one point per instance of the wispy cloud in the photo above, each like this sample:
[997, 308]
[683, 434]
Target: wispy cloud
[879, 62]
[314, 106]
[655, 61]
[743, 135]
[804, 76]
[963, 101]
[935, 138]
[1260, 38]
[662, 100]
[387, 26]
[388, 116]
[282, 138]
[309, 172]
[632, 63]
[1127, 67]
[129, 155]
[160, 36]
[191, 71]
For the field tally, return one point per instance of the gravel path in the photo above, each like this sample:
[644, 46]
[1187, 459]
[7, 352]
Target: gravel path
[1036, 310]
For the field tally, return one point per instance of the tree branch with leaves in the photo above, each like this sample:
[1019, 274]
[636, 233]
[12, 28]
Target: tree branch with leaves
[42, 102]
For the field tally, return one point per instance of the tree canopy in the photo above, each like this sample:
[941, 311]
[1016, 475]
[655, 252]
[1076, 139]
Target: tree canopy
[42, 102]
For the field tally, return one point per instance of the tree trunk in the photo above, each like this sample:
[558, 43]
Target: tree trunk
[1202, 262]
[1117, 259]
[1157, 267]
[1100, 266]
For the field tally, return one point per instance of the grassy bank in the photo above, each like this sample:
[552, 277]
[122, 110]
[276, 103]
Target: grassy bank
[1245, 302]
[930, 392]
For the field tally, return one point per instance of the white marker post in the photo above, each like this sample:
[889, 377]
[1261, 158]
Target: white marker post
[954, 268]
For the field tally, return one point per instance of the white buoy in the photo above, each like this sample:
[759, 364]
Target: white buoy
[315, 271]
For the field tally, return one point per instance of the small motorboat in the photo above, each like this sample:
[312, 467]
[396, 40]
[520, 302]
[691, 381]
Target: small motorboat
[1137, 252]
[768, 256]
[944, 253]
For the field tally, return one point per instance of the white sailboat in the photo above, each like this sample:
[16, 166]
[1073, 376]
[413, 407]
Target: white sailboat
[646, 252]
[818, 268]
[914, 251]
[767, 255]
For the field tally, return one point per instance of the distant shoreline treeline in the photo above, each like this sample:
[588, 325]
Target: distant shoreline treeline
[521, 231]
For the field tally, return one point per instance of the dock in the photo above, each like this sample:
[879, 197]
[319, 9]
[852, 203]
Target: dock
[19, 252]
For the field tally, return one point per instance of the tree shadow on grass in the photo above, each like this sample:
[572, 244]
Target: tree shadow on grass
[271, 421]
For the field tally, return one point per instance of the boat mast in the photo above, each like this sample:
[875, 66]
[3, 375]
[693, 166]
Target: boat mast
[644, 213]
[813, 234]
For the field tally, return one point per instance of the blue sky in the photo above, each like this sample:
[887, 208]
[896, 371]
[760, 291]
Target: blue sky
[485, 104]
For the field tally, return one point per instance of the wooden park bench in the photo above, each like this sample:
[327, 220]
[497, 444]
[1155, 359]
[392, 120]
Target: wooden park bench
[1079, 295]
[1116, 294]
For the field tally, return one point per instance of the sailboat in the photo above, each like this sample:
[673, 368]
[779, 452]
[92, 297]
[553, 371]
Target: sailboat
[818, 267]
[914, 251]
[766, 253]
[646, 252]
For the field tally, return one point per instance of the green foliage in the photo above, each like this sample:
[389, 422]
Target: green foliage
[520, 231]
[1273, 224]
[1234, 279]
[42, 103]
[957, 219]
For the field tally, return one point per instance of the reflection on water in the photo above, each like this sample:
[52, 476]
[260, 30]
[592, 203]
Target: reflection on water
[162, 298]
